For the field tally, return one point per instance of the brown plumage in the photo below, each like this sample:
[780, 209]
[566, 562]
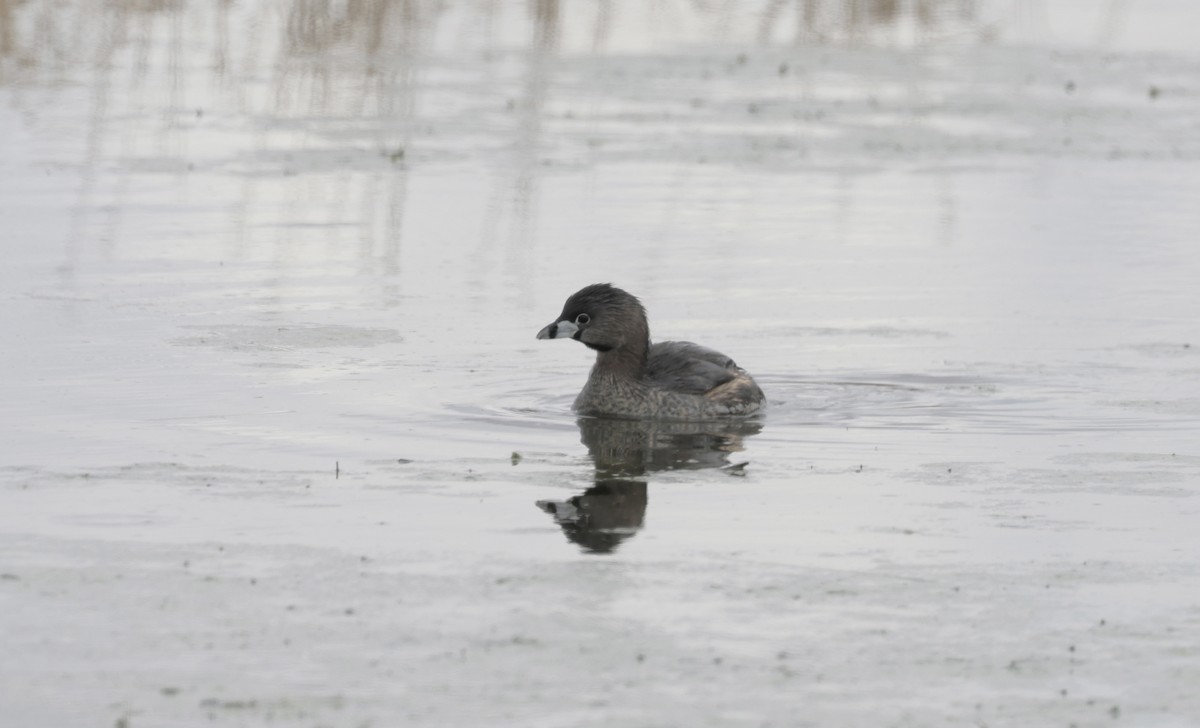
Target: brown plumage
[674, 380]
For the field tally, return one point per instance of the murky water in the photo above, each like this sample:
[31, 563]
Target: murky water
[279, 445]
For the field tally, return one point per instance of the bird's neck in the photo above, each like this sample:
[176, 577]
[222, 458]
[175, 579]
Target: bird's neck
[627, 361]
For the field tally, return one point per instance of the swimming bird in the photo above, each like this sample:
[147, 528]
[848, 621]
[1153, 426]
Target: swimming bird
[670, 380]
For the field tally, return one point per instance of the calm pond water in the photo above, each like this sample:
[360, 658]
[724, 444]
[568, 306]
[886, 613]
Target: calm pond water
[279, 445]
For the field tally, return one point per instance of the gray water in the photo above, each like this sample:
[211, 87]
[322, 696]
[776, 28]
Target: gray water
[279, 446]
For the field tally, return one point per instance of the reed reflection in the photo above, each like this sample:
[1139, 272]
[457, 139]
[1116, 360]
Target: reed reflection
[623, 452]
[312, 121]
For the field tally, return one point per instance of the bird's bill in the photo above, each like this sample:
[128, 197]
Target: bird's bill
[558, 330]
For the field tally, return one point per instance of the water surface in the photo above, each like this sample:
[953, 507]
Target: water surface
[279, 444]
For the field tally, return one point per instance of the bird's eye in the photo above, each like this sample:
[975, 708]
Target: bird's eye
[582, 319]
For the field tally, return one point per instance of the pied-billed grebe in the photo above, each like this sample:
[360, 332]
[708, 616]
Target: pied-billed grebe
[671, 380]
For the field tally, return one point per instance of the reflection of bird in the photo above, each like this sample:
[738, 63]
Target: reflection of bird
[614, 508]
[635, 447]
[602, 516]
[671, 380]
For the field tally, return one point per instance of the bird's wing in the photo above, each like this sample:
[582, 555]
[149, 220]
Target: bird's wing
[681, 366]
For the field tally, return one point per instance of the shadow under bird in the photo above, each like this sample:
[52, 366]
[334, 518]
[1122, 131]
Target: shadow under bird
[670, 380]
